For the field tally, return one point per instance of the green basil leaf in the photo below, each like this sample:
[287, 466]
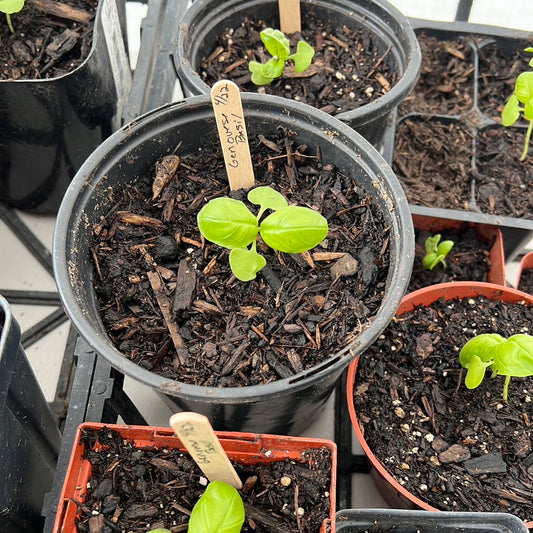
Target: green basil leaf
[444, 248]
[528, 110]
[524, 87]
[429, 261]
[303, 56]
[267, 198]
[276, 43]
[511, 111]
[245, 264]
[11, 6]
[515, 356]
[483, 346]
[293, 229]
[475, 372]
[431, 244]
[219, 510]
[227, 222]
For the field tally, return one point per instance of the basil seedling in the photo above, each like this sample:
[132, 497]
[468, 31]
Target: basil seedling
[507, 357]
[436, 252]
[9, 7]
[523, 94]
[289, 228]
[278, 47]
[219, 510]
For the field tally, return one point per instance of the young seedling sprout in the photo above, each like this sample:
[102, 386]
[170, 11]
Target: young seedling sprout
[522, 96]
[9, 7]
[219, 510]
[436, 252]
[289, 228]
[507, 357]
[278, 47]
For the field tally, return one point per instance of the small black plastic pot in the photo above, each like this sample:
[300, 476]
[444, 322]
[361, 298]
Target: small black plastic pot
[286, 406]
[408, 521]
[50, 126]
[29, 438]
[205, 20]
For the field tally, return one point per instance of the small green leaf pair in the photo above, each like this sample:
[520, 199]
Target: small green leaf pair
[229, 223]
[523, 94]
[507, 357]
[219, 510]
[278, 47]
[436, 252]
[9, 7]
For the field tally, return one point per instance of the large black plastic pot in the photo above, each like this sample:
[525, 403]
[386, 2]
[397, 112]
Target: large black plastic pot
[284, 406]
[409, 521]
[205, 20]
[29, 438]
[50, 126]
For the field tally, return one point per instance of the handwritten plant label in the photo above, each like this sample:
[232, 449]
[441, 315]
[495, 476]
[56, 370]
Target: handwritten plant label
[229, 116]
[198, 437]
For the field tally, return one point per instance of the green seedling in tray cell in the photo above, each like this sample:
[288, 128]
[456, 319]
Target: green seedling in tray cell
[219, 510]
[436, 252]
[506, 357]
[521, 101]
[278, 47]
[289, 228]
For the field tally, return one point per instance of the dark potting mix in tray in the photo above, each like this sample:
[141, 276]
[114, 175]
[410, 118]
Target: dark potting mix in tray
[451, 150]
[137, 489]
[46, 43]
[348, 69]
[455, 448]
[300, 310]
[526, 281]
[468, 260]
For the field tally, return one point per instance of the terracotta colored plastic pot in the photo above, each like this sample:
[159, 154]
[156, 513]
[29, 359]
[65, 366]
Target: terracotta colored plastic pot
[526, 263]
[243, 448]
[484, 232]
[395, 494]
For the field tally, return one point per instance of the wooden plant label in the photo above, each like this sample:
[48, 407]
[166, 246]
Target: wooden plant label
[227, 105]
[198, 437]
[289, 16]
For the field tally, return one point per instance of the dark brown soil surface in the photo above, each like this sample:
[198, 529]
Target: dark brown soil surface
[433, 160]
[503, 182]
[468, 260]
[45, 45]
[348, 69]
[446, 82]
[526, 280]
[299, 311]
[133, 489]
[455, 448]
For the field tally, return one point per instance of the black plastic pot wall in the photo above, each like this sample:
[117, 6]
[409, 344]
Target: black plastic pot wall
[49, 127]
[406, 521]
[29, 435]
[516, 231]
[205, 20]
[286, 406]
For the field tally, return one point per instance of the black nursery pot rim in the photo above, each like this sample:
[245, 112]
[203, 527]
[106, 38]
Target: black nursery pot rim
[378, 16]
[66, 255]
[94, 44]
